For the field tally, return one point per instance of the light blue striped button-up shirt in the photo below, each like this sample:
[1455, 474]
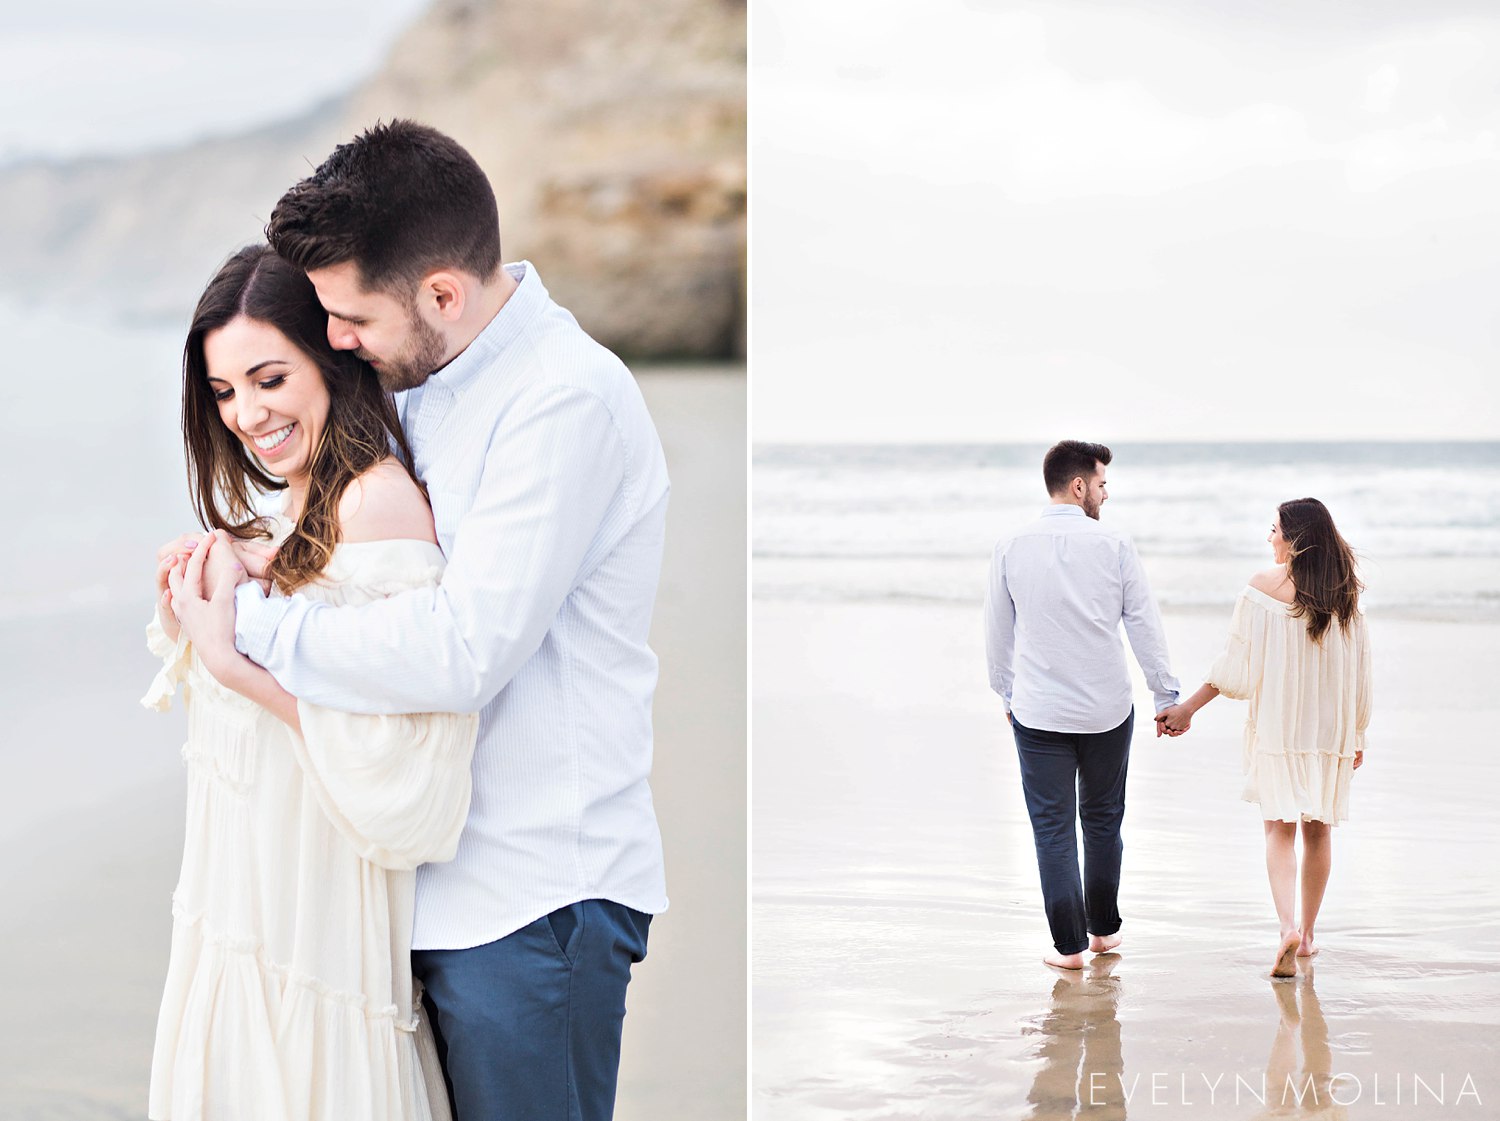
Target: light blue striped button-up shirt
[1058, 592]
[549, 491]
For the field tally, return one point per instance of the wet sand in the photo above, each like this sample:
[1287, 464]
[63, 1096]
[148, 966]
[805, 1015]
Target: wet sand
[92, 810]
[897, 921]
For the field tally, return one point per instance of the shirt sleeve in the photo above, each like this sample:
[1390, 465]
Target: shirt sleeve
[1143, 627]
[396, 787]
[1000, 630]
[553, 476]
[1233, 673]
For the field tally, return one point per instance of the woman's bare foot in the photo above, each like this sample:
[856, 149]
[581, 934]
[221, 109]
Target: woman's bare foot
[1063, 961]
[1104, 945]
[1308, 947]
[1285, 964]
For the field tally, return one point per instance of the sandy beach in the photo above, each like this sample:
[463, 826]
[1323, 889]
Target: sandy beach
[93, 808]
[897, 915]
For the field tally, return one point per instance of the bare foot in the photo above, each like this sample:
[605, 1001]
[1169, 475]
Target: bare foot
[1285, 964]
[1063, 961]
[1308, 947]
[1104, 945]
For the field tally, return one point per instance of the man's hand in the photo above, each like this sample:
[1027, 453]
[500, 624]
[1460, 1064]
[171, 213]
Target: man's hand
[202, 592]
[255, 557]
[1173, 721]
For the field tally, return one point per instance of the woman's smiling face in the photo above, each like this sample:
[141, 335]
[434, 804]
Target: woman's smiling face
[271, 395]
[1281, 548]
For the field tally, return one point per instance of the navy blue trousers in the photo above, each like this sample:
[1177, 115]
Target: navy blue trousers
[1072, 777]
[528, 1027]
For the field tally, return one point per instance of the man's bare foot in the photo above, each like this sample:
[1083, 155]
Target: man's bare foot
[1285, 964]
[1063, 961]
[1104, 945]
[1308, 947]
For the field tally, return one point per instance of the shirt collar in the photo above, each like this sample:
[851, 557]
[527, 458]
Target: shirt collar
[509, 323]
[1063, 510]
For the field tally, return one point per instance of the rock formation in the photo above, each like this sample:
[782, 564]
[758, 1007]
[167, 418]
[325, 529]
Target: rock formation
[613, 132]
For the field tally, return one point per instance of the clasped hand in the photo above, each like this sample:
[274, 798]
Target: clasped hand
[252, 555]
[198, 596]
[1173, 720]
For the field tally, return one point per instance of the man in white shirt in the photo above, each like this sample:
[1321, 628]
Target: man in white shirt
[1058, 592]
[549, 493]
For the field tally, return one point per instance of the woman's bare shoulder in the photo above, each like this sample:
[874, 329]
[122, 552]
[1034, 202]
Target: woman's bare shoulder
[385, 504]
[1274, 582]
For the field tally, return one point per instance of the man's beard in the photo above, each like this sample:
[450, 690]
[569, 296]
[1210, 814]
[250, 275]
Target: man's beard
[1091, 506]
[423, 354]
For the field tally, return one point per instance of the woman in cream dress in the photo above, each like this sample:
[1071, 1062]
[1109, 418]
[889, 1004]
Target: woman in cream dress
[1299, 652]
[289, 996]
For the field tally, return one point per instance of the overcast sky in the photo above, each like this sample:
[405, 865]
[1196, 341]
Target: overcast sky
[1000, 221]
[90, 76]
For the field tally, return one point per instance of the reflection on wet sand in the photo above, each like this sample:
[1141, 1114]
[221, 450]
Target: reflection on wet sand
[1309, 1090]
[1082, 1068]
[898, 918]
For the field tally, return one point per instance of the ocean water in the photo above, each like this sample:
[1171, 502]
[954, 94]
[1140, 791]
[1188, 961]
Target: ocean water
[92, 456]
[919, 522]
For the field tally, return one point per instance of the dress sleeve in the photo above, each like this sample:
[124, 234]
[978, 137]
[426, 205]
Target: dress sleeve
[1231, 673]
[176, 657]
[397, 787]
[1362, 700]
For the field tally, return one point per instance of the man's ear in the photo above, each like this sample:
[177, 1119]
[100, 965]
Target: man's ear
[445, 293]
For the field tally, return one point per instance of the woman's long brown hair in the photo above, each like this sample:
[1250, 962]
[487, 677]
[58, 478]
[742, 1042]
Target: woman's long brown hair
[1324, 574]
[361, 430]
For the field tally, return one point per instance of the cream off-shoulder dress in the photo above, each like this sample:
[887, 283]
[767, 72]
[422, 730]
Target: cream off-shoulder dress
[1309, 707]
[289, 996]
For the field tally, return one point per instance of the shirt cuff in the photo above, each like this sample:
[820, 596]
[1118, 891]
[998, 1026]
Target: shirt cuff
[255, 621]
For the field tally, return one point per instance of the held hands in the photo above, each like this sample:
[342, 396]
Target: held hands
[253, 556]
[1173, 720]
[200, 592]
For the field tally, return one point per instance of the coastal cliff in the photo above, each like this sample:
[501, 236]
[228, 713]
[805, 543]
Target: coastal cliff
[614, 135]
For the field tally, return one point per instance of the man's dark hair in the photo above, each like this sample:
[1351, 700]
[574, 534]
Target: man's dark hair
[1068, 459]
[400, 200]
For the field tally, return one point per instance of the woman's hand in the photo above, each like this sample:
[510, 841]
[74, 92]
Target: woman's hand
[174, 552]
[221, 564]
[202, 592]
[1176, 719]
[1173, 720]
[1359, 758]
[254, 556]
[182, 546]
[164, 613]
